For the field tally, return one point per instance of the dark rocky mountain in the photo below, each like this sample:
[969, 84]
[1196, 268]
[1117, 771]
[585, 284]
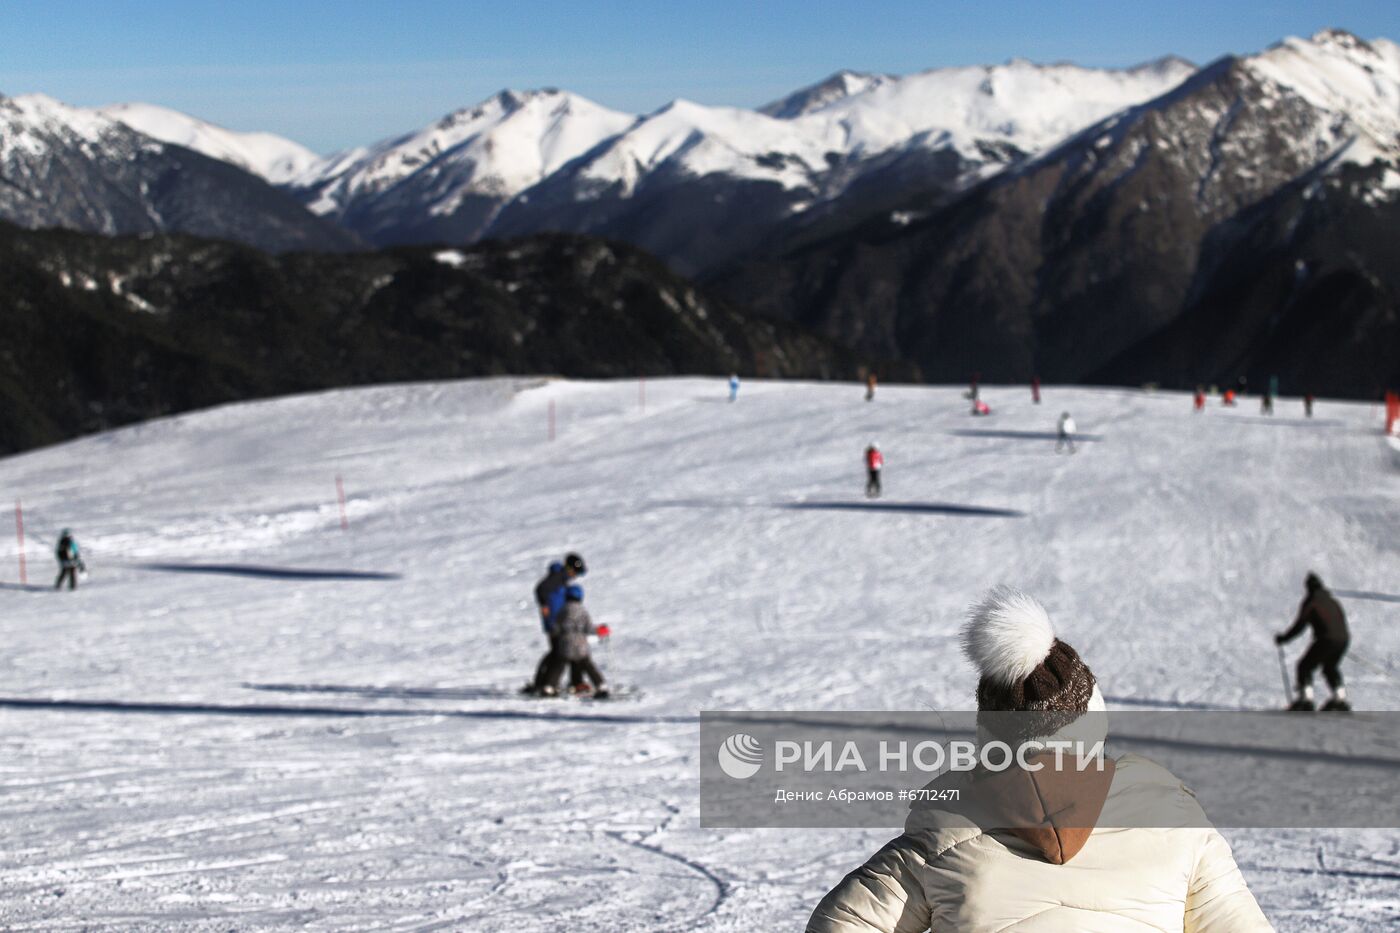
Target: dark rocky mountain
[103, 331]
[65, 167]
[1157, 245]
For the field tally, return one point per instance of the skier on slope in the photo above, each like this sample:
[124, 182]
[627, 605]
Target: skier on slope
[572, 628]
[549, 598]
[1065, 435]
[1035, 389]
[70, 560]
[874, 463]
[733, 386]
[1320, 611]
[870, 387]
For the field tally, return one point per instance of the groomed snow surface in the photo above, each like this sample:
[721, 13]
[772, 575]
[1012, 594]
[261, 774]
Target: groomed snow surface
[198, 739]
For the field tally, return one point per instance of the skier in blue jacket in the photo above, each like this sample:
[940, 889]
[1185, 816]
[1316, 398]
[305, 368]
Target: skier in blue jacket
[549, 599]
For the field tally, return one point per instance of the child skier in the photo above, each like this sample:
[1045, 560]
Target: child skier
[70, 561]
[874, 463]
[1066, 433]
[572, 628]
[1321, 611]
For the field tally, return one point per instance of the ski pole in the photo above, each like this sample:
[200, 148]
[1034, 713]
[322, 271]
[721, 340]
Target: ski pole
[1283, 669]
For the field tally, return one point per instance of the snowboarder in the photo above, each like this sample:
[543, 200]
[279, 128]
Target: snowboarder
[951, 870]
[549, 598]
[572, 629]
[870, 387]
[70, 560]
[1035, 390]
[1320, 611]
[733, 386]
[1065, 435]
[874, 463]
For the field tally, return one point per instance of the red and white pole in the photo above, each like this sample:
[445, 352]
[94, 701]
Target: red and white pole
[19, 535]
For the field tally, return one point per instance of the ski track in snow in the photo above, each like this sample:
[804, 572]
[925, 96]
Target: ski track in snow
[155, 772]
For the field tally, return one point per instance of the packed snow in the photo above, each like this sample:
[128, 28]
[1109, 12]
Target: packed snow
[253, 717]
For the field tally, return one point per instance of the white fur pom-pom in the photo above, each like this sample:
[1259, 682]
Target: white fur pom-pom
[1007, 635]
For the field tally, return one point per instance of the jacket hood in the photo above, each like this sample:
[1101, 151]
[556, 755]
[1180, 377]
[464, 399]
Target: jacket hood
[1052, 810]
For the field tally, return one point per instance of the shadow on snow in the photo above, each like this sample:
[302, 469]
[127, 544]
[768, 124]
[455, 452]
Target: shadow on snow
[918, 508]
[270, 573]
[1022, 435]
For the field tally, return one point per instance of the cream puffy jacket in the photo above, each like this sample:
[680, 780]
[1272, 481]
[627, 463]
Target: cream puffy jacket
[946, 874]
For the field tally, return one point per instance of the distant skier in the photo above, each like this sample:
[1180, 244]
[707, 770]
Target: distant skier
[1198, 401]
[1035, 390]
[1266, 404]
[572, 629]
[1320, 611]
[972, 390]
[1228, 399]
[549, 598]
[1307, 405]
[733, 386]
[70, 560]
[874, 463]
[870, 387]
[1065, 435]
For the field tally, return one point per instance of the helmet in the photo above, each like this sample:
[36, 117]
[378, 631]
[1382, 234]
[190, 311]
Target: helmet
[1313, 582]
[66, 533]
[575, 563]
[874, 445]
[574, 593]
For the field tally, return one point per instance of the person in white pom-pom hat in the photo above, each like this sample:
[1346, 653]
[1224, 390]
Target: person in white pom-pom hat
[1095, 870]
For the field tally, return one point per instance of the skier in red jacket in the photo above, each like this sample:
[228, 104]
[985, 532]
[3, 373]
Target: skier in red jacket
[874, 463]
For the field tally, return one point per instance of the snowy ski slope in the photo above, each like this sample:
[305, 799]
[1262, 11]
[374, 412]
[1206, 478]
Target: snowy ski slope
[252, 719]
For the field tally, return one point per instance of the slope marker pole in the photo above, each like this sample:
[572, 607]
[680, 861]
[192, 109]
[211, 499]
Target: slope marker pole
[340, 495]
[19, 535]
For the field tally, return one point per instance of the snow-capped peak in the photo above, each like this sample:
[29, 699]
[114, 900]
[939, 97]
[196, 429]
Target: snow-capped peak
[274, 158]
[498, 148]
[841, 85]
[1356, 82]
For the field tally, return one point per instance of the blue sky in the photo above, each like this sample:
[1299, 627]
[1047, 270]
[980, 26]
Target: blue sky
[333, 75]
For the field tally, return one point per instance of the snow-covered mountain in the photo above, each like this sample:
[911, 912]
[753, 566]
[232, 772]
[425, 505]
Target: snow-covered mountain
[445, 181]
[1236, 224]
[70, 167]
[520, 163]
[273, 157]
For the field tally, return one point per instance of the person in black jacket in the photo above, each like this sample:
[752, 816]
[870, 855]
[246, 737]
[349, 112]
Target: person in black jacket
[549, 598]
[1323, 614]
[70, 561]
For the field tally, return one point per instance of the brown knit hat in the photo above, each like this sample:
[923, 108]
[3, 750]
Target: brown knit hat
[1023, 666]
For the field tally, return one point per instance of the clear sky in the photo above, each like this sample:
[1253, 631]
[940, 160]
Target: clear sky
[337, 74]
